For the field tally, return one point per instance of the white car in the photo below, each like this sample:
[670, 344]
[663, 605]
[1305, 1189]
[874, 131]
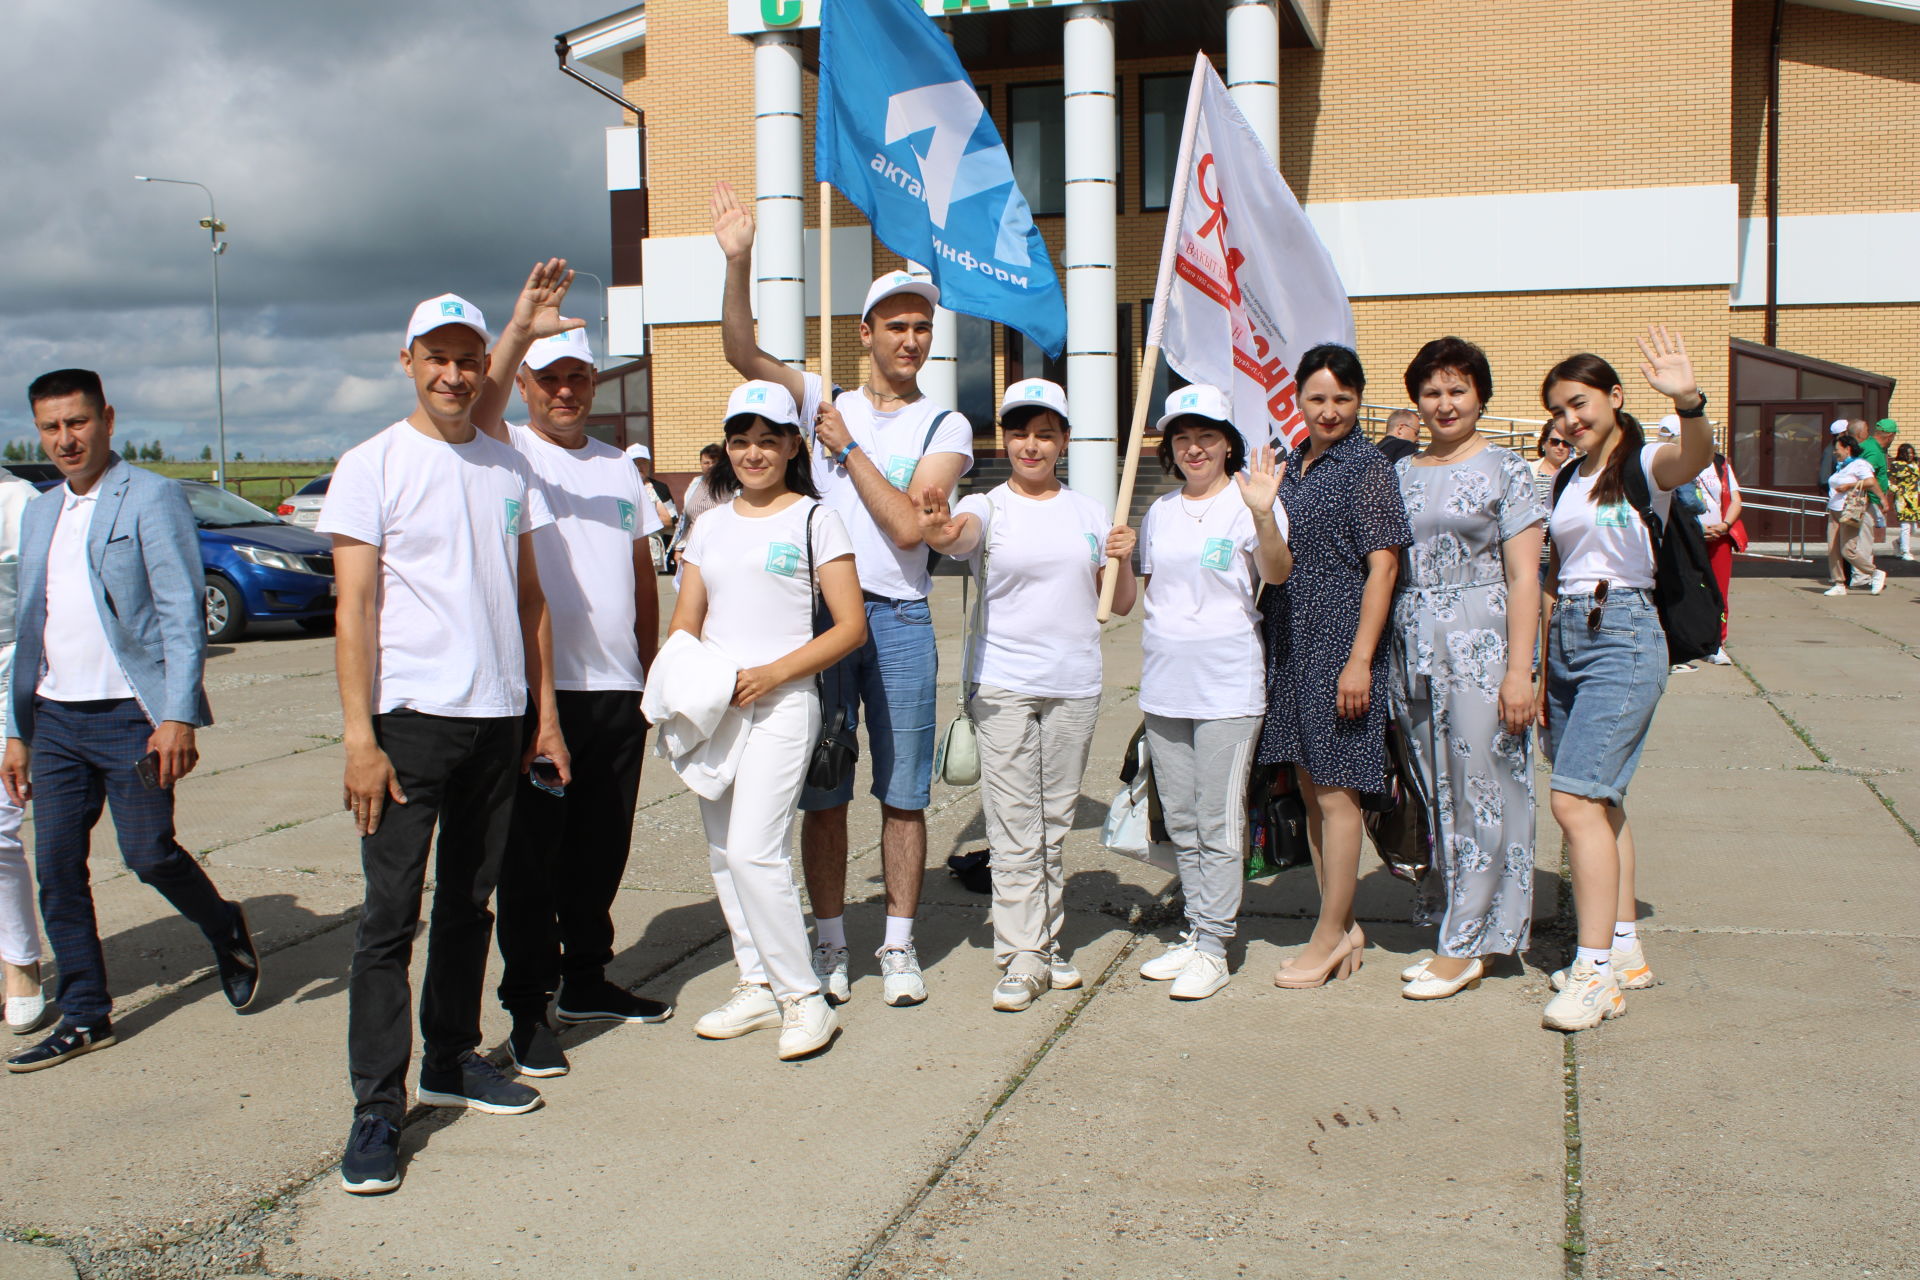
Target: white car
[303, 508]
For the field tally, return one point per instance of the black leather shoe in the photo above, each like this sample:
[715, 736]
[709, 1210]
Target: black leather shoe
[67, 1041]
[239, 963]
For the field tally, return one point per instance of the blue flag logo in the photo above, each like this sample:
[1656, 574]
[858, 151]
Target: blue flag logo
[901, 132]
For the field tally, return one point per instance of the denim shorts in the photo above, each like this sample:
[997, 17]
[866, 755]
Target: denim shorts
[1603, 684]
[894, 675]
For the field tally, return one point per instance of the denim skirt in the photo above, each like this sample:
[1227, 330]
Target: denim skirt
[1603, 684]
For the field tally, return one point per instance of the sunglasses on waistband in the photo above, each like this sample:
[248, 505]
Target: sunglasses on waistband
[1599, 599]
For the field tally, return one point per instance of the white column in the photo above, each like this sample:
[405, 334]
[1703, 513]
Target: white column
[779, 197]
[1253, 67]
[1093, 358]
[940, 375]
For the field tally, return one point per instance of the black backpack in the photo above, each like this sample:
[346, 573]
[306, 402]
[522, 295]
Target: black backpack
[1690, 603]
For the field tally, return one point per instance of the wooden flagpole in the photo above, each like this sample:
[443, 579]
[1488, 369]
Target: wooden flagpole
[826, 292]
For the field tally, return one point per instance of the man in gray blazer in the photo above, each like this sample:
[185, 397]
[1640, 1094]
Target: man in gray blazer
[104, 700]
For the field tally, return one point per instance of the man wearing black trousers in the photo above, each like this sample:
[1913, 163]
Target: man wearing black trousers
[567, 852]
[442, 634]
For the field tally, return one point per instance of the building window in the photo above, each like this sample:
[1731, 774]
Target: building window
[1037, 142]
[973, 374]
[1163, 109]
[1026, 360]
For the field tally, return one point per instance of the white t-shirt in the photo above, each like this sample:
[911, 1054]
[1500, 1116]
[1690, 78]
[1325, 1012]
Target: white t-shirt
[1607, 543]
[79, 657]
[754, 568]
[1043, 589]
[1200, 645]
[1857, 470]
[892, 442]
[600, 509]
[447, 519]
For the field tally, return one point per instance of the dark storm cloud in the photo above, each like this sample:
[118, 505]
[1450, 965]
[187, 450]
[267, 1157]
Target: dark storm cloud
[364, 155]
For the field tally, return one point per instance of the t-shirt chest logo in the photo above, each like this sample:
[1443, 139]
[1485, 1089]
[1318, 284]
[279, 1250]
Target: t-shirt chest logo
[783, 558]
[900, 470]
[1613, 515]
[1093, 548]
[626, 515]
[513, 518]
[1216, 554]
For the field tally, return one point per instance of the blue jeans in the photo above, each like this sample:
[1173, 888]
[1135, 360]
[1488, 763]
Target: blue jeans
[83, 757]
[895, 674]
[1603, 684]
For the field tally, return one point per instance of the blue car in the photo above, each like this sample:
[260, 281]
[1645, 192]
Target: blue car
[258, 566]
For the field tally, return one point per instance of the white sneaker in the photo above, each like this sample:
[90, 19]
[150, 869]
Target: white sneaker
[1205, 974]
[751, 1007]
[1017, 991]
[1631, 972]
[1858, 579]
[1719, 658]
[1172, 962]
[1879, 582]
[830, 967]
[900, 980]
[1061, 974]
[1590, 997]
[807, 1024]
[1681, 668]
[1837, 589]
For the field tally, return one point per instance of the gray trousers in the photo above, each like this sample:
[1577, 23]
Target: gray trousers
[1200, 772]
[1033, 751]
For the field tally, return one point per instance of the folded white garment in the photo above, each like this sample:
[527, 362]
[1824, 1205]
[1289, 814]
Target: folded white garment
[689, 702]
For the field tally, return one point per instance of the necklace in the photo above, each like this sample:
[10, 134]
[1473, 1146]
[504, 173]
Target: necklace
[887, 395]
[1203, 511]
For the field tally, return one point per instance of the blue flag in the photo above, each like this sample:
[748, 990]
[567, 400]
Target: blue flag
[901, 132]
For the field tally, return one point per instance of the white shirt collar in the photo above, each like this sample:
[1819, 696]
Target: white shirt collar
[75, 499]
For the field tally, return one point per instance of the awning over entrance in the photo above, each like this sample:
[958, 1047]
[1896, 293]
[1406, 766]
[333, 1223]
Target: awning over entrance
[1782, 403]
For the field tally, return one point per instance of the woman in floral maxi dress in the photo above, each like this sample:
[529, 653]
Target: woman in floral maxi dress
[1469, 597]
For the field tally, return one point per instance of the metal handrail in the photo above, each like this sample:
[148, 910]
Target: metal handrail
[1801, 506]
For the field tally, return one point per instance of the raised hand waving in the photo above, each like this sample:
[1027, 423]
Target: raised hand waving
[1260, 482]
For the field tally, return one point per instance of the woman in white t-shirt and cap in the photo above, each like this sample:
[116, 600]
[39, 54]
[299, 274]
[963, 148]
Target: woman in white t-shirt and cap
[1606, 661]
[1039, 552]
[751, 568]
[1851, 472]
[1204, 551]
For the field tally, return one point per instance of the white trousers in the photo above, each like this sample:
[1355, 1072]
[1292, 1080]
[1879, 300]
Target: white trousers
[19, 917]
[1033, 751]
[749, 844]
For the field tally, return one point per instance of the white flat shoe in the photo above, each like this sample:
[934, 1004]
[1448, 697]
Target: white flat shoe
[25, 1014]
[1429, 987]
[1416, 970]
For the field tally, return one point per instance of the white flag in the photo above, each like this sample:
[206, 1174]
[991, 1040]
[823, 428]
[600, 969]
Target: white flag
[1245, 285]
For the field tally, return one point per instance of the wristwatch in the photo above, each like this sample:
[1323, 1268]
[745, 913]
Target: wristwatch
[1698, 411]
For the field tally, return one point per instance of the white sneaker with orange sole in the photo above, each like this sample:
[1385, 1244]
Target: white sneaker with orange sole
[1590, 997]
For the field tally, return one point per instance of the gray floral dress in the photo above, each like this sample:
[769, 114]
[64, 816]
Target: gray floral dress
[1449, 657]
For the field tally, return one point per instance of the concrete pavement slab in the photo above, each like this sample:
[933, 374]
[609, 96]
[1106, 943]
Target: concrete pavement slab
[33, 1262]
[1756, 1115]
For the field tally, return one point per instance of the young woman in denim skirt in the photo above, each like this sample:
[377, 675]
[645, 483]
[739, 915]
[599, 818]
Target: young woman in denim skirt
[1606, 660]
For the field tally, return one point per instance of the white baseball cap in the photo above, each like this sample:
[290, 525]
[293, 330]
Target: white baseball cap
[639, 451]
[1035, 393]
[448, 308]
[1199, 401]
[559, 346]
[899, 282]
[1838, 426]
[1670, 425]
[767, 400]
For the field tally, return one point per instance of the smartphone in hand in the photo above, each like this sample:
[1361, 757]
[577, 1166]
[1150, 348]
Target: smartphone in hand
[148, 768]
[545, 774]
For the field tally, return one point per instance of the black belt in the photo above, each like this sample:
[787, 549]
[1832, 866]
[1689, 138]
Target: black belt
[871, 598]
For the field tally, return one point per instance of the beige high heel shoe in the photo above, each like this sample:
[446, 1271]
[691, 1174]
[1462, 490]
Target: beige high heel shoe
[1343, 963]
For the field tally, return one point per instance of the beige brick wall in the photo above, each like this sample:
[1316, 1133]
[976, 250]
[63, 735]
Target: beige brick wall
[1849, 111]
[1879, 339]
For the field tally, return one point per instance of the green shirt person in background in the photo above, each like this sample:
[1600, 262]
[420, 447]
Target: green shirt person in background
[1873, 449]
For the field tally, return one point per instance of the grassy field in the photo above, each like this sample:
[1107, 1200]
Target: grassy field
[262, 483]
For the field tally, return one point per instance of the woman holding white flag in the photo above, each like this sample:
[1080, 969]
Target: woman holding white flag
[1203, 555]
[1327, 671]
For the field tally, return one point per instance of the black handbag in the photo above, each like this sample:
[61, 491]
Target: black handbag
[1401, 828]
[838, 749]
[1276, 822]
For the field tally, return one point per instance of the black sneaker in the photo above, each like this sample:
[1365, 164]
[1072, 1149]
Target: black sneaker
[67, 1041]
[239, 963]
[372, 1162]
[534, 1050]
[606, 1002]
[478, 1084]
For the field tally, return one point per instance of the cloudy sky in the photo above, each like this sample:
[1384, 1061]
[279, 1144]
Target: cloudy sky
[364, 155]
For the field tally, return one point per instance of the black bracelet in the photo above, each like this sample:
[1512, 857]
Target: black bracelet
[1698, 411]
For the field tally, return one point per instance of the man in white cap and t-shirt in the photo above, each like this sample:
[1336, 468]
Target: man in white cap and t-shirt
[441, 635]
[870, 444]
[567, 850]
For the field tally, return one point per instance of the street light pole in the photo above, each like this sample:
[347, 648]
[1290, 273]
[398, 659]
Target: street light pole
[214, 227]
[606, 353]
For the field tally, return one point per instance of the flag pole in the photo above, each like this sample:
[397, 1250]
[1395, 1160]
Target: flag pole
[826, 291]
[1150, 358]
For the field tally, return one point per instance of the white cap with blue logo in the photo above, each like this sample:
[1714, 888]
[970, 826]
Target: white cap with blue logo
[1196, 401]
[1034, 393]
[448, 308]
[767, 400]
[560, 346]
[899, 282]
